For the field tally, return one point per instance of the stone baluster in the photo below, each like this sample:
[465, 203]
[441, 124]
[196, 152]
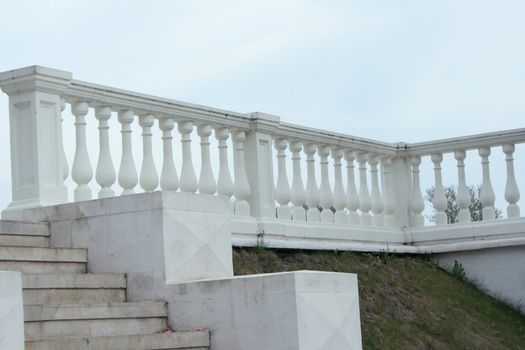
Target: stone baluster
[352, 198]
[312, 192]
[417, 203]
[298, 193]
[224, 180]
[169, 181]
[105, 174]
[512, 192]
[440, 200]
[463, 195]
[365, 202]
[242, 185]
[282, 187]
[340, 216]
[65, 166]
[377, 205]
[325, 191]
[188, 179]
[388, 197]
[127, 175]
[487, 196]
[149, 179]
[207, 182]
[81, 171]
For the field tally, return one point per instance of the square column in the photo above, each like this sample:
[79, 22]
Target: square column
[36, 136]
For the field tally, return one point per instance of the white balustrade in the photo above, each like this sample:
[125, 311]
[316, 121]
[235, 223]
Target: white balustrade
[487, 196]
[377, 205]
[463, 195]
[127, 175]
[81, 171]
[224, 180]
[352, 197]
[440, 200]
[326, 197]
[241, 185]
[169, 180]
[188, 179]
[312, 191]
[417, 203]
[365, 202]
[63, 158]
[105, 174]
[37, 99]
[340, 216]
[298, 194]
[282, 187]
[149, 179]
[388, 197]
[512, 192]
[207, 182]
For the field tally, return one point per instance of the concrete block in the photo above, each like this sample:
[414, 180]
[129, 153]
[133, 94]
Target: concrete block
[294, 311]
[11, 311]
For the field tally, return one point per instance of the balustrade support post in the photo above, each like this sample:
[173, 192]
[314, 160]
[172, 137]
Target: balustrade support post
[37, 173]
[401, 180]
[259, 165]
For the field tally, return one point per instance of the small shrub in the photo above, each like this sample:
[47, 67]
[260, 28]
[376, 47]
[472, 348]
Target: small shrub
[458, 270]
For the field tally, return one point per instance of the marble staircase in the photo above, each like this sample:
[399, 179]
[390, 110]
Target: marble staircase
[65, 307]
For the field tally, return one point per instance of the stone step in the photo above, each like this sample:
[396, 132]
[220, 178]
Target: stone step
[24, 240]
[40, 330]
[78, 255]
[69, 281]
[24, 228]
[62, 312]
[73, 296]
[43, 267]
[87, 288]
[194, 340]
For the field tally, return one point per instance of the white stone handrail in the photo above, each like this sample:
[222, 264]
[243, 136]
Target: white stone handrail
[382, 179]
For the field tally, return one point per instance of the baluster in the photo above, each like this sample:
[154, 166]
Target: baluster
[206, 179]
[440, 200]
[169, 181]
[376, 199]
[127, 175]
[149, 179]
[224, 180]
[65, 166]
[325, 191]
[463, 196]
[339, 191]
[312, 192]
[105, 174]
[512, 192]
[487, 196]
[417, 203]
[282, 187]
[298, 192]
[388, 197]
[242, 186]
[188, 179]
[352, 198]
[365, 202]
[81, 171]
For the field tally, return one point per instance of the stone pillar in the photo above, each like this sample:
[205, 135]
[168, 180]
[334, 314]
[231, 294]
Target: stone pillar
[259, 165]
[11, 311]
[36, 146]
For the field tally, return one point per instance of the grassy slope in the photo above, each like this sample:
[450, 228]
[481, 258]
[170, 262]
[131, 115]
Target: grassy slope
[406, 302]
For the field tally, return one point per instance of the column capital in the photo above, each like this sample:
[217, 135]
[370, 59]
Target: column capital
[35, 78]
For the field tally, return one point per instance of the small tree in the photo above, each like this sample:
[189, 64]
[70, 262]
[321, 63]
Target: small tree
[452, 210]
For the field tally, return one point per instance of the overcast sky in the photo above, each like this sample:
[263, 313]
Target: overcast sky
[387, 70]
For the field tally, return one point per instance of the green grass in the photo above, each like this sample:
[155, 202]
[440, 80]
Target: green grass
[406, 302]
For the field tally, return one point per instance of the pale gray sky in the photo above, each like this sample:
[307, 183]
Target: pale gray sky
[387, 70]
